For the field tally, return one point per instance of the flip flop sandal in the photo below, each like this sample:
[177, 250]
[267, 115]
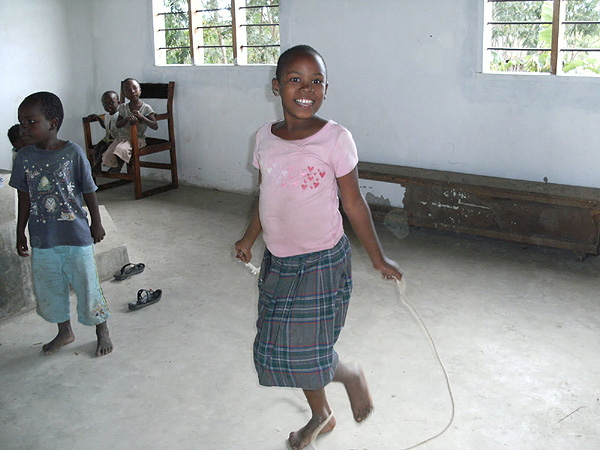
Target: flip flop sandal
[129, 269]
[145, 297]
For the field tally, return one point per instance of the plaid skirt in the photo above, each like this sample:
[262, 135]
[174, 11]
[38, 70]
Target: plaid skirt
[302, 306]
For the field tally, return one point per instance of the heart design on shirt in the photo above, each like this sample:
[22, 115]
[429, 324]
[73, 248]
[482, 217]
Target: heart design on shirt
[310, 178]
[322, 174]
[315, 184]
[310, 169]
[304, 186]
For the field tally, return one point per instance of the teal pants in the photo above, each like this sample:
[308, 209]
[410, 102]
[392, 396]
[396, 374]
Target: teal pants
[54, 270]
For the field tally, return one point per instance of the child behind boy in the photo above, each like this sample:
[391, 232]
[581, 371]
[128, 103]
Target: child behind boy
[133, 112]
[52, 176]
[110, 103]
[15, 139]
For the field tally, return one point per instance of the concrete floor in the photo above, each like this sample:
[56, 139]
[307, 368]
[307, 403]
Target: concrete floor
[518, 329]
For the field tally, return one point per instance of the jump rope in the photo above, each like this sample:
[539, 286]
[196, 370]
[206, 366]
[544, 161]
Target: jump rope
[403, 300]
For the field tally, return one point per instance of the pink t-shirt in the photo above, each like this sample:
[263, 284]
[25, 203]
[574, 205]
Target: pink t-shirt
[298, 194]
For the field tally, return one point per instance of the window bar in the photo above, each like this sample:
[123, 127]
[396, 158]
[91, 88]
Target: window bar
[581, 22]
[214, 46]
[173, 29]
[190, 32]
[593, 49]
[173, 48]
[238, 18]
[558, 17]
[516, 49]
[259, 6]
[212, 10]
[208, 27]
[519, 23]
[260, 25]
[266, 45]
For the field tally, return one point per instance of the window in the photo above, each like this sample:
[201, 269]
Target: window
[216, 31]
[553, 36]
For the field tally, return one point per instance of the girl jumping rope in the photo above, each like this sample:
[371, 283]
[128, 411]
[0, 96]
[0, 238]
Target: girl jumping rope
[305, 278]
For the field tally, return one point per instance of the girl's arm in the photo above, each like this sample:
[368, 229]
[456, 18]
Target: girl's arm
[359, 214]
[22, 219]
[96, 227]
[243, 247]
[121, 121]
[149, 120]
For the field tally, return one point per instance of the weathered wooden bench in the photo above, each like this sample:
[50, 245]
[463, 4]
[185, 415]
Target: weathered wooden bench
[546, 214]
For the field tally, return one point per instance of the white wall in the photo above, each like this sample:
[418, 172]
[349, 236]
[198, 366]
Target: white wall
[45, 45]
[403, 78]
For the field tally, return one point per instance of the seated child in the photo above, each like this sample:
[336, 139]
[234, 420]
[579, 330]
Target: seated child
[15, 139]
[110, 103]
[133, 112]
[53, 178]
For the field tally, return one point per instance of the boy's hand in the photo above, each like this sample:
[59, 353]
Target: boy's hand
[22, 248]
[133, 119]
[98, 232]
[389, 269]
[243, 251]
[93, 117]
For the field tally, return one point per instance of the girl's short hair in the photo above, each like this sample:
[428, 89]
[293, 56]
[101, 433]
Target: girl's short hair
[286, 56]
[50, 106]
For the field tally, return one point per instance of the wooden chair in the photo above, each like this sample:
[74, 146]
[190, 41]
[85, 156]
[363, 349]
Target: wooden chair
[153, 145]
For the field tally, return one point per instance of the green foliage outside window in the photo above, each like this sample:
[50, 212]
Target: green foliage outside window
[175, 37]
[262, 35]
[217, 45]
[217, 36]
[540, 36]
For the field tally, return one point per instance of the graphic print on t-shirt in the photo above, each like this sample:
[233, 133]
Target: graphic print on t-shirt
[51, 187]
[313, 178]
[305, 178]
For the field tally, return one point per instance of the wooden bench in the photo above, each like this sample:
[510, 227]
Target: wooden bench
[546, 214]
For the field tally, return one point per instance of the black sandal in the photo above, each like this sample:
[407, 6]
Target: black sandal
[145, 297]
[129, 269]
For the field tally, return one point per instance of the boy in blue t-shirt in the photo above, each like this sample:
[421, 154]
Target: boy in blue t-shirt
[52, 176]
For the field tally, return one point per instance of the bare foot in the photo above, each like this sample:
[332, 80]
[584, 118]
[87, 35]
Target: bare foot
[63, 338]
[105, 345]
[301, 438]
[358, 392]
